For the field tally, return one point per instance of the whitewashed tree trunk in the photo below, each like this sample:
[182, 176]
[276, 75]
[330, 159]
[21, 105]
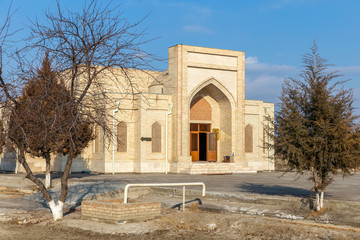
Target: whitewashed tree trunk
[48, 169]
[322, 199]
[317, 202]
[47, 179]
[56, 209]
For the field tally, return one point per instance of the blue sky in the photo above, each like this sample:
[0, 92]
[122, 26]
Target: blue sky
[274, 34]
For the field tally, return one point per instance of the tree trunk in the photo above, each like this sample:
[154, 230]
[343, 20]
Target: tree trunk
[56, 209]
[317, 202]
[64, 178]
[48, 174]
[316, 188]
[322, 199]
[31, 176]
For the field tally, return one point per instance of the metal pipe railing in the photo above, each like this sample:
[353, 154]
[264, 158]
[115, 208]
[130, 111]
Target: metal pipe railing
[165, 185]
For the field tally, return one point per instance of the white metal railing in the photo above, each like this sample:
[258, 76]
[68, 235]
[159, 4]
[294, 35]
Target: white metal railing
[165, 185]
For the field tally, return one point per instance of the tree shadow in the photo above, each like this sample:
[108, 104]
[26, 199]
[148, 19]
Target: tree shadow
[58, 175]
[190, 201]
[75, 195]
[275, 190]
[70, 211]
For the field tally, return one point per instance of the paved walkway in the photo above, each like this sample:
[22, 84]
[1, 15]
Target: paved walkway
[261, 183]
[273, 183]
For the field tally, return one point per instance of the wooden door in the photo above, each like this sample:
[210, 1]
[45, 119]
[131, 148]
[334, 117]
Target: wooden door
[211, 147]
[194, 146]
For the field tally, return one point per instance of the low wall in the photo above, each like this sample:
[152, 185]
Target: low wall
[115, 210]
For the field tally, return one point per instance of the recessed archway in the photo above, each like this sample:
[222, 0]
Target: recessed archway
[209, 106]
[200, 109]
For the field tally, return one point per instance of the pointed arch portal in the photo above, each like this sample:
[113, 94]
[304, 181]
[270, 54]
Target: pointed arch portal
[210, 111]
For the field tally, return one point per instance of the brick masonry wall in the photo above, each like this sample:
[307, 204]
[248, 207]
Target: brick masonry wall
[115, 211]
[200, 109]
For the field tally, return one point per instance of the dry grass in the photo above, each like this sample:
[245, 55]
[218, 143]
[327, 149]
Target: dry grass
[10, 193]
[314, 213]
[178, 225]
[194, 207]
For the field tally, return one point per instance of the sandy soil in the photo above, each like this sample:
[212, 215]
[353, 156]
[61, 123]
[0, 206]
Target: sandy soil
[174, 224]
[259, 219]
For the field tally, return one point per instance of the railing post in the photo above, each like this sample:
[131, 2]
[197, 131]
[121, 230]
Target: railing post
[126, 193]
[183, 198]
[165, 185]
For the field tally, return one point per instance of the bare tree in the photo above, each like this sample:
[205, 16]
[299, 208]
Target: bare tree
[4, 35]
[93, 52]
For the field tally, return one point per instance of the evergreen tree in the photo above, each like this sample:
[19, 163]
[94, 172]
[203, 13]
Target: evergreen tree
[315, 128]
[44, 92]
[45, 119]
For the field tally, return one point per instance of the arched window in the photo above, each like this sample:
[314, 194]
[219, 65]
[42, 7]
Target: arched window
[98, 140]
[122, 137]
[156, 137]
[264, 140]
[249, 139]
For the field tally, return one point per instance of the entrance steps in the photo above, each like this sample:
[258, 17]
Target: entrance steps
[219, 168]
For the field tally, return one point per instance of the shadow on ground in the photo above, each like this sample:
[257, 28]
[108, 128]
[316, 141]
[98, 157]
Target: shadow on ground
[75, 193]
[58, 175]
[179, 205]
[275, 190]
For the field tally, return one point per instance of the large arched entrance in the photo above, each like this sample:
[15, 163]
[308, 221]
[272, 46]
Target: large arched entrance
[210, 125]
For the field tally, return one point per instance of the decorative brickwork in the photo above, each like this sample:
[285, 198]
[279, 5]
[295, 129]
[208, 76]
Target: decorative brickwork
[200, 109]
[115, 211]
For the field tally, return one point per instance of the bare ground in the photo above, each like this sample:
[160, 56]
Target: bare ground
[219, 217]
[193, 224]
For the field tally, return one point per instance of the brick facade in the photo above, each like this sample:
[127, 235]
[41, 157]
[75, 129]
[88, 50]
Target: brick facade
[200, 109]
[115, 211]
[205, 86]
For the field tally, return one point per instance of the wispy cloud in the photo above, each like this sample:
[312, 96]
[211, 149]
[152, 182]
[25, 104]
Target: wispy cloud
[196, 29]
[346, 70]
[254, 66]
[263, 80]
[196, 20]
[251, 60]
[194, 16]
[281, 4]
[198, 13]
